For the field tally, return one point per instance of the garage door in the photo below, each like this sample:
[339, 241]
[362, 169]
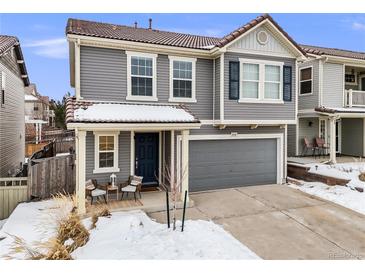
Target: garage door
[218, 164]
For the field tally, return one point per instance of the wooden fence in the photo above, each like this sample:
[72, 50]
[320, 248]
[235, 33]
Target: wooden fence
[13, 190]
[50, 176]
[31, 148]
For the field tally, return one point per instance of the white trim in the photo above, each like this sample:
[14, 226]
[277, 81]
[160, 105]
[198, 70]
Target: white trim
[115, 168]
[207, 122]
[363, 137]
[221, 84]
[80, 170]
[258, 122]
[193, 80]
[128, 127]
[307, 111]
[160, 156]
[278, 136]
[185, 162]
[285, 151]
[325, 129]
[77, 70]
[131, 54]
[261, 81]
[213, 89]
[339, 125]
[258, 52]
[299, 81]
[133, 154]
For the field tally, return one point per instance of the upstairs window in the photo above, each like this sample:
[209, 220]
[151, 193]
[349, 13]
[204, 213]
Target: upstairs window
[305, 81]
[182, 79]
[141, 76]
[261, 81]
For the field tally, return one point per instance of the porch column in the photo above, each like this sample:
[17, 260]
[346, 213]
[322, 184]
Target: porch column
[36, 133]
[184, 162]
[332, 121]
[172, 156]
[40, 132]
[80, 170]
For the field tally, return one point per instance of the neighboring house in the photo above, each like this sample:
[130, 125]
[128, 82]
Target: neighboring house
[331, 102]
[37, 113]
[214, 111]
[13, 79]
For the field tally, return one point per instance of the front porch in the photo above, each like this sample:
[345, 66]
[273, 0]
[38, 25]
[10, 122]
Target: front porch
[341, 131]
[117, 140]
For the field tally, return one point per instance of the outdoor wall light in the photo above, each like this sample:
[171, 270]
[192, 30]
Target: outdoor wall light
[310, 123]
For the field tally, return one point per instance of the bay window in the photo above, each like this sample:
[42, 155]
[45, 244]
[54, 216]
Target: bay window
[261, 81]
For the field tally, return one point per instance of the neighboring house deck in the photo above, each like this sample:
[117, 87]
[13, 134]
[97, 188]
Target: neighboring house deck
[331, 102]
[13, 80]
[212, 111]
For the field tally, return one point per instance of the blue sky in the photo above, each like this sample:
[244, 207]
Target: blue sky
[42, 36]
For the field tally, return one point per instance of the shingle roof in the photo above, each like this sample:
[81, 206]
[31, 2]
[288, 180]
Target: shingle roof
[122, 112]
[7, 42]
[333, 52]
[167, 38]
[127, 33]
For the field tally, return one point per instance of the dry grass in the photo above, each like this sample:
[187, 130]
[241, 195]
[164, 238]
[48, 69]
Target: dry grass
[99, 212]
[70, 234]
[362, 176]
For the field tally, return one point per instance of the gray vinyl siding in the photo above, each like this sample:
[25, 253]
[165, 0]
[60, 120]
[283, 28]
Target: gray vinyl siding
[123, 158]
[352, 136]
[308, 131]
[310, 101]
[333, 85]
[11, 118]
[217, 89]
[252, 111]
[104, 77]
[292, 138]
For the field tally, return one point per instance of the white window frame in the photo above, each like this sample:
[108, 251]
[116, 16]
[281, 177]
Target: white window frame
[261, 81]
[300, 81]
[325, 129]
[131, 54]
[3, 87]
[193, 80]
[97, 168]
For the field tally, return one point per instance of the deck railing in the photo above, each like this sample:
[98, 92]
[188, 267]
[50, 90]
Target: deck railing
[354, 98]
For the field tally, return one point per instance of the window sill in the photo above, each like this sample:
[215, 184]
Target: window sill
[141, 98]
[260, 101]
[305, 94]
[106, 170]
[182, 100]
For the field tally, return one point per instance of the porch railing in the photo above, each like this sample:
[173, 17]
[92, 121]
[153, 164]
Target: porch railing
[354, 98]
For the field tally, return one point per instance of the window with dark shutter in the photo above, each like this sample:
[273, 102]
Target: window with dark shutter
[234, 80]
[287, 83]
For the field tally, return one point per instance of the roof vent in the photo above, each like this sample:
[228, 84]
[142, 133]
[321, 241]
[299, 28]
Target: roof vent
[135, 24]
[150, 23]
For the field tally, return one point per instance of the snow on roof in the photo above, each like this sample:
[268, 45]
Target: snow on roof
[340, 110]
[137, 113]
[28, 97]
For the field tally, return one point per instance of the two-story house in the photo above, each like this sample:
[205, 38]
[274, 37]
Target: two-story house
[214, 111]
[13, 80]
[331, 103]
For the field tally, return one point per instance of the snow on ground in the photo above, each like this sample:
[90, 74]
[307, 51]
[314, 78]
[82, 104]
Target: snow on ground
[2, 222]
[348, 171]
[33, 222]
[133, 235]
[341, 195]
[124, 235]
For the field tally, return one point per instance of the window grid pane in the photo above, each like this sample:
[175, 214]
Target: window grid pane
[182, 88]
[250, 89]
[272, 90]
[182, 79]
[250, 72]
[106, 159]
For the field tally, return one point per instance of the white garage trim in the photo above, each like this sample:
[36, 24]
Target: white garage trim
[279, 152]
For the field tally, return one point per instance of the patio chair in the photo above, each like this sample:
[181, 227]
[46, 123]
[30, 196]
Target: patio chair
[92, 190]
[322, 146]
[133, 185]
[307, 146]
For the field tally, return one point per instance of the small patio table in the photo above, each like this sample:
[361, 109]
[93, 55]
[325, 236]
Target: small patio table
[111, 188]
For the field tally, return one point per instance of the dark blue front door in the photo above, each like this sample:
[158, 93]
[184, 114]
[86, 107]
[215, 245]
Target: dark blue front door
[147, 157]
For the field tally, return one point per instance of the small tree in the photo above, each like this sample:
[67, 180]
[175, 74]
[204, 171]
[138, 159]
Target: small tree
[59, 108]
[175, 186]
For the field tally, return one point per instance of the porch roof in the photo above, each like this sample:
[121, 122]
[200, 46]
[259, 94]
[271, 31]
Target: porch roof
[340, 111]
[123, 112]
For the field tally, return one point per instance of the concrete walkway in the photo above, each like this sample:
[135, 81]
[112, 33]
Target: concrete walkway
[278, 222]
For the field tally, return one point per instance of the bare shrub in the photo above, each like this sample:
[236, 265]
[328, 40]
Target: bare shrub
[99, 212]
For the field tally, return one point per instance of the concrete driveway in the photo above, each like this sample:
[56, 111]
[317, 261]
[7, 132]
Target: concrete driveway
[278, 222]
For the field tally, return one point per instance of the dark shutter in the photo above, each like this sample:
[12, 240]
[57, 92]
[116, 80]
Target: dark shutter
[287, 83]
[234, 80]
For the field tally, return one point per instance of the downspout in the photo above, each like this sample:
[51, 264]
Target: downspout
[213, 92]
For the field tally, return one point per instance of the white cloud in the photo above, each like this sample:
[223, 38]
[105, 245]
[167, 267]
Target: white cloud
[51, 48]
[358, 26]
